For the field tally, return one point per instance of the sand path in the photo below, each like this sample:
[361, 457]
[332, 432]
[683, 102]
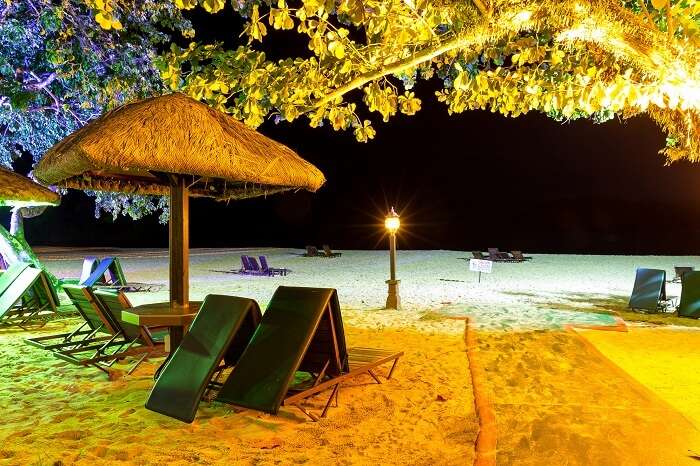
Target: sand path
[558, 401]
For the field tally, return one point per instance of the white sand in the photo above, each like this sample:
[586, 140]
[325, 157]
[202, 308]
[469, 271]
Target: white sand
[546, 292]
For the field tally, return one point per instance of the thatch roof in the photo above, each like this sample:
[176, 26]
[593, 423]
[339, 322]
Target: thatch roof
[132, 149]
[17, 190]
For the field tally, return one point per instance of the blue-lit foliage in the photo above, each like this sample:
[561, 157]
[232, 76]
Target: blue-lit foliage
[59, 69]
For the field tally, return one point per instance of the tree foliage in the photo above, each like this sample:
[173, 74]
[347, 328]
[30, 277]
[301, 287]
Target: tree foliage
[63, 63]
[567, 58]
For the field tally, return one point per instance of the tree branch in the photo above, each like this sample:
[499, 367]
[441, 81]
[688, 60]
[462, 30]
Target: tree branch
[40, 84]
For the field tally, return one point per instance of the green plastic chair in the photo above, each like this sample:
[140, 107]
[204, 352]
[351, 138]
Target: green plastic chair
[690, 295]
[649, 290]
[221, 330]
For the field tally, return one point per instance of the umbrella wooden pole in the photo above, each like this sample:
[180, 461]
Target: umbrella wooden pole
[179, 242]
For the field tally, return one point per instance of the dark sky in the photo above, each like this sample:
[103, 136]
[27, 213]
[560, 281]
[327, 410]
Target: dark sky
[468, 181]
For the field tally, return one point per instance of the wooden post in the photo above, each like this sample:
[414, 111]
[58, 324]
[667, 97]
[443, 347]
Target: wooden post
[179, 242]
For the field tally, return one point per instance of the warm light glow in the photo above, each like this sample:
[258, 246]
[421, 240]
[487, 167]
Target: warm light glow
[392, 222]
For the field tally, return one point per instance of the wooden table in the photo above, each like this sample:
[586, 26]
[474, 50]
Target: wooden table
[172, 315]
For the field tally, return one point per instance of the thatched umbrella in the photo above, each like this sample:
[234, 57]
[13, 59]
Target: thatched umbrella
[175, 145]
[19, 191]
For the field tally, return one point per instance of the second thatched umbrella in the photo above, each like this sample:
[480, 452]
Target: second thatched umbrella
[178, 146]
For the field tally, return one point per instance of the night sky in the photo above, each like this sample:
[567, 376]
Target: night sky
[464, 182]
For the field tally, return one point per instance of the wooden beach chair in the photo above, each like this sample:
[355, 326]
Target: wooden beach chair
[123, 339]
[271, 270]
[328, 252]
[301, 331]
[497, 256]
[311, 251]
[109, 274]
[519, 257]
[251, 267]
[479, 255]
[95, 329]
[689, 305]
[649, 291]
[216, 339]
[26, 296]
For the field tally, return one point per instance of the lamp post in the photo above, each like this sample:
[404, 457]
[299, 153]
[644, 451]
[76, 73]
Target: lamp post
[392, 224]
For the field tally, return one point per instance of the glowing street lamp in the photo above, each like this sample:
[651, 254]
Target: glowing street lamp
[392, 224]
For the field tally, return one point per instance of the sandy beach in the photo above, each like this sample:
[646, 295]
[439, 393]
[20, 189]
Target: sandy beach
[559, 396]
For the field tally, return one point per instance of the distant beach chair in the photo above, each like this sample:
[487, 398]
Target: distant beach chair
[108, 274]
[478, 255]
[518, 256]
[26, 296]
[90, 263]
[3, 263]
[311, 251]
[328, 252]
[216, 339]
[680, 271]
[689, 305]
[271, 270]
[103, 310]
[497, 256]
[649, 291]
[301, 330]
[251, 267]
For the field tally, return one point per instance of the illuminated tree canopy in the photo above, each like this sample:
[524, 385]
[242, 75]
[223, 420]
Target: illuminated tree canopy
[59, 69]
[567, 58]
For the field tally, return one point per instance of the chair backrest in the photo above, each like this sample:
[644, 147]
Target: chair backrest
[680, 271]
[11, 274]
[89, 308]
[517, 255]
[114, 303]
[221, 330]
[21, 288]
[649, 289]
[89, 265]
[301, 330]
[327, 249]
[115, 272]
[311, 251]
[689, 305]
[263, 264]
[245, 262]
[254, 264]
[477, 255]
[98, 275]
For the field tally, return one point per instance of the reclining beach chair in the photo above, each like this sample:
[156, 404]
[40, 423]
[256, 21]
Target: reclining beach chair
[95, 328]
[216, 339]
[680, 271]
[519, 257]
[123, 339]
[479, 255]
[270, 270]
[301, 331]
[251, 267]
[311, 251]
[649, 291]
[689, 305]
[26, 296]
[497, 256]
[108, 274]
[328, 252]
[90, 263]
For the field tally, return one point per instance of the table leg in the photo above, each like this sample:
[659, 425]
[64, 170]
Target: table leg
[175, 335]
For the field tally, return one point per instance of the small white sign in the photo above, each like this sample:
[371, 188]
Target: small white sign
[479, 265]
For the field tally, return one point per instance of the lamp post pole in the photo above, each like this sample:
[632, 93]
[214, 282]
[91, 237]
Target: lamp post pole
[393, 301]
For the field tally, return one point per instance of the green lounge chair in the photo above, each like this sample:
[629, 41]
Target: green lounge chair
[649, 290]
[26, 296]
[94, 328]
[301, 331]
[222, 329]
[122, 341]
[689, 305]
